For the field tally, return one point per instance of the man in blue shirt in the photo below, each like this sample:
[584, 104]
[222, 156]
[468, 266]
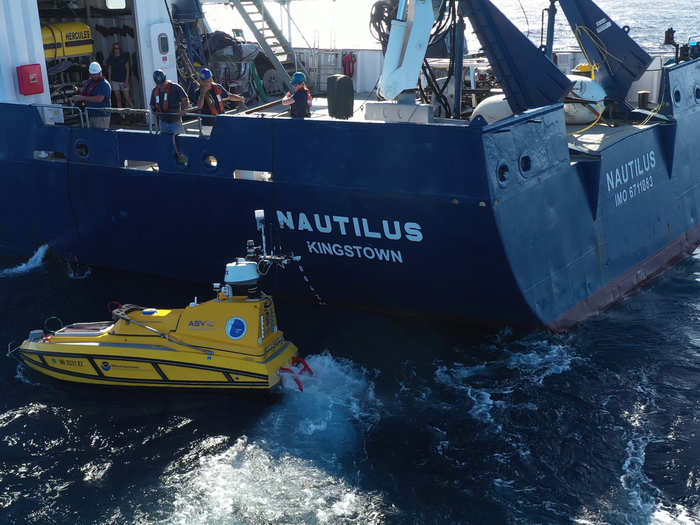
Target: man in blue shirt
[97, 93]
[300, 101]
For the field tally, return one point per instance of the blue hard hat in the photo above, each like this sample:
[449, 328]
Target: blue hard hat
[298, 78]
[204, 74]
[159, 76]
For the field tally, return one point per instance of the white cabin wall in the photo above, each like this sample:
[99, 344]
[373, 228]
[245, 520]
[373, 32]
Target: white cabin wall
[149, 14]
[20, 44]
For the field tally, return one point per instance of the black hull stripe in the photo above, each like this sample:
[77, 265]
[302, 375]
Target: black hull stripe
[94, 365]
[169, 382]
[145, 360]
[76, 43]
[155, 347]
[160, 371]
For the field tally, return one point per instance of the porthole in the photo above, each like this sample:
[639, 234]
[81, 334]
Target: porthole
[697, 94]
[163, 44]
[82, 150]
[502, 173]
[677, 96]
[525, 163]
[210, 162]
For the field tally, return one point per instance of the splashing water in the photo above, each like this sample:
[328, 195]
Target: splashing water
[247, 483]
[537, 365]
[20, 375]
[33, 263]
[337, 402]
[287, 469]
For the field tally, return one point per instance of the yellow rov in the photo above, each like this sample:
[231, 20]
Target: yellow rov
[229, 342]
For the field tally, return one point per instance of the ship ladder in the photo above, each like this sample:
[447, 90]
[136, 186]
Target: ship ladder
[273, 42]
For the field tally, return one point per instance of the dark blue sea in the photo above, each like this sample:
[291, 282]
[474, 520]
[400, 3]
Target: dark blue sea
[405, 422]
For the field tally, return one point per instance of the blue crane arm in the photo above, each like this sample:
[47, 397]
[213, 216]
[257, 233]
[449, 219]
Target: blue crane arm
[528, 78]
[618, 59]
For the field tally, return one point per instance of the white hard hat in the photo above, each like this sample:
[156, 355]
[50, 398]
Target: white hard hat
[95, 68]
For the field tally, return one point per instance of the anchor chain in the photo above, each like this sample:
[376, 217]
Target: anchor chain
[311, 288]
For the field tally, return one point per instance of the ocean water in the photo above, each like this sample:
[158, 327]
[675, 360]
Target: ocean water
[405, 421]
[344, 23]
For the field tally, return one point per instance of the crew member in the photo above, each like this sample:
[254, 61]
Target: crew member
[119, 75]
[300, 101]
[169, 101]
[210, 99]
[97, 93]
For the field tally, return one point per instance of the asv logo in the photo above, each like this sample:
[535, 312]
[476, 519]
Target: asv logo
[236, 328]
[201, 324]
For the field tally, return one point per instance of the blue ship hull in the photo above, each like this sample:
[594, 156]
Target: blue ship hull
[499, 222]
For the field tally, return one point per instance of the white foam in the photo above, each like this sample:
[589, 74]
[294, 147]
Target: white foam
[503, 484]
[456, 374]
[634, 481]
[676, 515]
[483, 405]
[643, 497]
[248, 484]
[286, 469]
[36, 261]
[94, 472]
[337, 401]
[545, 360]
[19, 375]
[537, 365]
[31, 409]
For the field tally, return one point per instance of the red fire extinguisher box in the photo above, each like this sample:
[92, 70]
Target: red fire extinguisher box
[30, 79]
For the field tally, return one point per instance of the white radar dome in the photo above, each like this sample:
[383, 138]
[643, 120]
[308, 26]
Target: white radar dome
[241, 272]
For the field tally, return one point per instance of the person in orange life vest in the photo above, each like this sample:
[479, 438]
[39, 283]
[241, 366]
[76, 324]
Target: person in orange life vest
[300, 101]
[211, 97]
[97, 93]
[169, 101]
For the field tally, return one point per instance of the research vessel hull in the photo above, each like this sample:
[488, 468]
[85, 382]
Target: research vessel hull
[504, 222]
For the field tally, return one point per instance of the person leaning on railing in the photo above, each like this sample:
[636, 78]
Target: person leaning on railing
[301, 100]
[210, 99]
[169, 101]
[97, 93]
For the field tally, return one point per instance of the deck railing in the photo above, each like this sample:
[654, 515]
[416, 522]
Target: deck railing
[150, 118]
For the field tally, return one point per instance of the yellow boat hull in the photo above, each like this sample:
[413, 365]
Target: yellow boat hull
[230, 345]
[131, 367]
[141, 367]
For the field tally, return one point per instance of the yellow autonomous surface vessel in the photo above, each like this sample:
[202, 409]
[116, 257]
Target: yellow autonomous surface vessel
[229, 342]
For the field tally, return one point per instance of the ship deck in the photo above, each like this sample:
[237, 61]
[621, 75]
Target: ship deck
[601, 136]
